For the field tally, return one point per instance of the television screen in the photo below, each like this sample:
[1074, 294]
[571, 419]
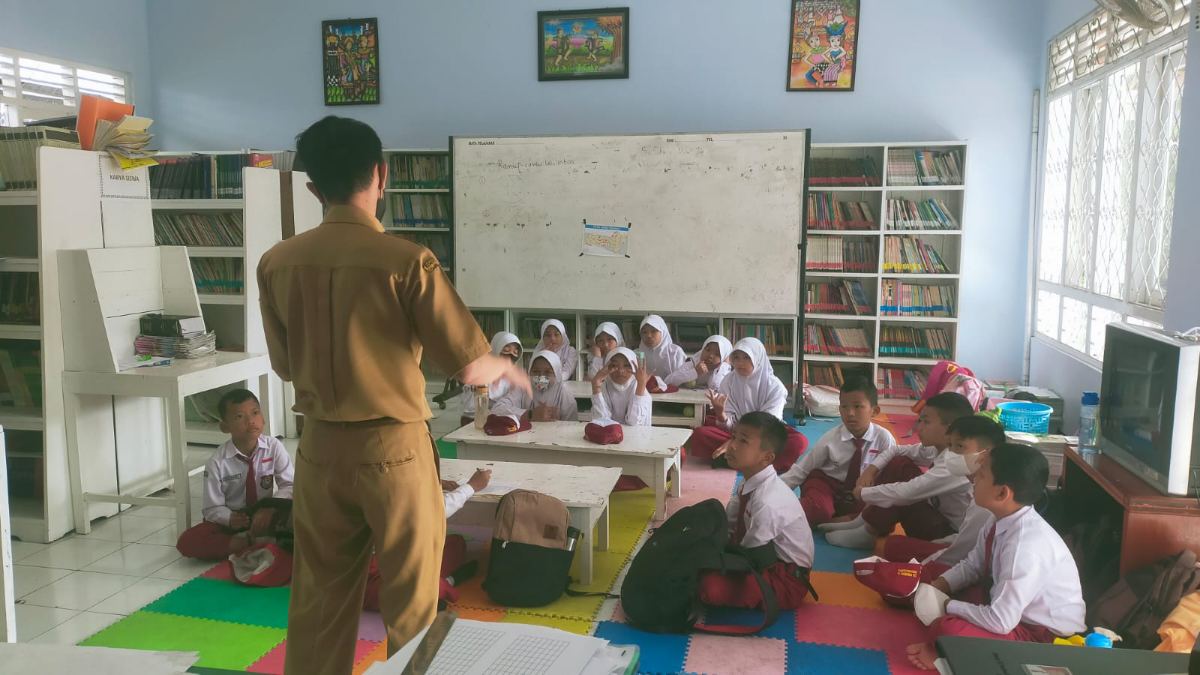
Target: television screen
[1137, 397]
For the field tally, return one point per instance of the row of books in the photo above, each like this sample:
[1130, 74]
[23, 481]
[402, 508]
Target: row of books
[924, 167]
[21, 369]
[836, 341]
[18, 153]
[416, 210]
[218, 275]
[827, 213]
[203, 176]
[213, 228]
[833, 374]
[915, 342]
[901, 299]
[436, 242]
[837, 254]
[776, 337]
[926, 214]
[20, 301]
[843, 171]
[419, 171]
[837, 297]
[489, 322]
[912, 255]
[906, 383]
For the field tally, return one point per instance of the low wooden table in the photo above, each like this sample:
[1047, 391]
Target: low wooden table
[650, 453]
[697, 398]
[583, 489]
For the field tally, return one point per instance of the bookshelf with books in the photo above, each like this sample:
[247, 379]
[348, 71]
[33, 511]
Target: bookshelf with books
[896, 283]
[419, 204]
[226, 208]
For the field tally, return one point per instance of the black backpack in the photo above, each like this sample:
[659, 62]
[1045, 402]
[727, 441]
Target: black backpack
[661, 590]
[1140, 601]
[533, 545]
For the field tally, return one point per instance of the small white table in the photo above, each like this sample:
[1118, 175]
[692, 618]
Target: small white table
[171, 383]
[583, 489]
[650, 453]
[697, 398]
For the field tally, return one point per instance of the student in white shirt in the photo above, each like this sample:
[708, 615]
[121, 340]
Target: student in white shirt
[550, 400]
[930, 504]
[660, 355]
[246, 468]
[503, 344]
[764, 512]
[606, 338]
[555, 339]
[1030, 579]
[706, 368]
[619, 390]
[829, 471]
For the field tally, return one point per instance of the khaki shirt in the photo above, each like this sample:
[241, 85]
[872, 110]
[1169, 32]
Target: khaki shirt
[349, 310]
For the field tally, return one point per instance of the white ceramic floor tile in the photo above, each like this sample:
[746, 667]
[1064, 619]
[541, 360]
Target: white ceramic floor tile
[166, 536]
[28, 578]
[24, 549]
[126, 529]
[77, 628]
[79, 590]
[157, 512]
[137, 560]
[184, 569]
[33, 621]
[137, 596]
[72, 553]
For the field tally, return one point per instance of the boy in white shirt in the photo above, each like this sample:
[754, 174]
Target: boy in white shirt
[829, 471]
[930, 504]
[763, 512]
[1027, 572]
[245, 469]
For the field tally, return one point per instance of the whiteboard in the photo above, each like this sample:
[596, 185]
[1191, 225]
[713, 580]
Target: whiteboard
[715, 221]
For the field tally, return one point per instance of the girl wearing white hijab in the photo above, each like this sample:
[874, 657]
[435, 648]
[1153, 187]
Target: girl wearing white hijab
[550, 401]
[661, 355]
[707, 367]
[750, 386]
[554, 338]
[606, 338]
[619, 390]
[503, 344]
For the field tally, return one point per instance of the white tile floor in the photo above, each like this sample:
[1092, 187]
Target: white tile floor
[72, 588]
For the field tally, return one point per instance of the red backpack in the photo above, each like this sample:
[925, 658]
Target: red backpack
[950, 376]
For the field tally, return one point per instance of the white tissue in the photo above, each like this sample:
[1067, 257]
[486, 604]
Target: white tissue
[929, 603]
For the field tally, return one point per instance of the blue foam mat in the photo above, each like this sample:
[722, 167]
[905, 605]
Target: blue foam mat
[806, 658]
[660, 652]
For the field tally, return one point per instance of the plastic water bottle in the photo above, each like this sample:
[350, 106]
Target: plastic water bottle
[1088, 438]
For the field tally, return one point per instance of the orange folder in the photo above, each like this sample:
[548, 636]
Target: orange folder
[94, 108]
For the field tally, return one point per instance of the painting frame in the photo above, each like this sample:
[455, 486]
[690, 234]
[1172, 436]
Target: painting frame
[618, 51]
[809, 64]
[338, 70]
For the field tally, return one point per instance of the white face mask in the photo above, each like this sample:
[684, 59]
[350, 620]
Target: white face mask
[540, 382]
[956, 464]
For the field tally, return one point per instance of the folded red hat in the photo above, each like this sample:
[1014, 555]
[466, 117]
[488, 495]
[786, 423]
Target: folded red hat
[604, 433]
[503, 425]
[893, 580]
[656, 385]
[262, 565]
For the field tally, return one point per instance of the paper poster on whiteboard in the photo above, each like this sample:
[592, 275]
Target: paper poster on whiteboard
[605, 240]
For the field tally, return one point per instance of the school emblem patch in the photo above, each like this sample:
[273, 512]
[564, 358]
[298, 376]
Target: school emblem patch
[265, 482]
[430, 264]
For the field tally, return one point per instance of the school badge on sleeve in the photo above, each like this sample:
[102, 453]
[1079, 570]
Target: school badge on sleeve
[430, 264]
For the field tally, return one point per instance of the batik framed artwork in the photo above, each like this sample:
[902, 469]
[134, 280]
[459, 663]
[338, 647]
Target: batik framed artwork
[823, 50]
[586, 44]
[351, 67]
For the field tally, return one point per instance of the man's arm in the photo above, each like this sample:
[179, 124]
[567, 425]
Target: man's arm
[276, 332]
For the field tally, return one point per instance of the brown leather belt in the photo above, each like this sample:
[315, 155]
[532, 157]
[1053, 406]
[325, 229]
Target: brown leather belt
[360, 424]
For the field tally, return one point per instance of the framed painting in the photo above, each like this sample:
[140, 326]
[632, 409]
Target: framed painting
[823, 48]
[586, 44]
[351, 48]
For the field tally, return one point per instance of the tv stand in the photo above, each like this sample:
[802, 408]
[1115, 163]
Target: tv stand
[1153, 525]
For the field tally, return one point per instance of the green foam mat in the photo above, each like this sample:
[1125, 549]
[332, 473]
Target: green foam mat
[220, 644]
[219, 600]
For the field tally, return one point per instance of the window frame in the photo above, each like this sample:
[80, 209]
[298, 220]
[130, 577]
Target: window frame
[27, 109]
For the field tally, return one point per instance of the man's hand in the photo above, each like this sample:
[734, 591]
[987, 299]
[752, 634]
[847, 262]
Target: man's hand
[239, 521]
[261, 524]
[488, 368]
[480, 479]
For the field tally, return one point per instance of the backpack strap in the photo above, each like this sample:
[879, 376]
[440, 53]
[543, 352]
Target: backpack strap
[750, 561]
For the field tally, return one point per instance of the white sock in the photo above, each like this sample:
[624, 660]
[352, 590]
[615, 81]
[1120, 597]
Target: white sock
[858, 537]
[846, 525]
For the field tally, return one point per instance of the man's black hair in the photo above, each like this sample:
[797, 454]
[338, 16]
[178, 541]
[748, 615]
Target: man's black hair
[339, 155]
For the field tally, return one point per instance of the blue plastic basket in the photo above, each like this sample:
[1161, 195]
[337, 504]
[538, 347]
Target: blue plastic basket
[1033, 418]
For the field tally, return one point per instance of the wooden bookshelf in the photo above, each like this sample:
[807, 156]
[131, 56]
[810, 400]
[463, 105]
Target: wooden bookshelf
[906, 199]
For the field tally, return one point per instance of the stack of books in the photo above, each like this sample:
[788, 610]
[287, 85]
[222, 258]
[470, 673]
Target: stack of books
[218, 275]
[217, 228]
[776, 337]
[833, 374]
[906, 383]
[843, 172]
[203, 176]
[188, 346]
[417, 210]
[837, 254]
[924, 167]
[927, 214]
[915, 343]
[836, 297]
[836, 341]
[901, 299]
[18, 153]
[827, 213]
[912, 255]
[415, 172]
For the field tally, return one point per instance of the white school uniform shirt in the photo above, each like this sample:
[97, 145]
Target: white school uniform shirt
[667, 357]
[517, 402]
[832, 453]
[759, 391]
[961, 543]
[621, 403]
[456, 498]
[1034, 577]
[225, 477]
[773, 515]
[566, 353]
[595, 363]
[499, 388]
[953, 493]
[711, 379]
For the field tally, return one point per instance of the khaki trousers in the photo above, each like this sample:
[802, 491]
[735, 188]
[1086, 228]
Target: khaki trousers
[362, 486]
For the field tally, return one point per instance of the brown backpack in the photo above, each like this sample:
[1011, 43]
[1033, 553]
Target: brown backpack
[533, 545]
[1137, 604]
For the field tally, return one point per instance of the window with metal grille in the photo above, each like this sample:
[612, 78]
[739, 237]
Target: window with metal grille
[35, 87]
[1114, 95]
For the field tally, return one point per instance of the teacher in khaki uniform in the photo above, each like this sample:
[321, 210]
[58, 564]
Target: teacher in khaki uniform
[349, 312]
